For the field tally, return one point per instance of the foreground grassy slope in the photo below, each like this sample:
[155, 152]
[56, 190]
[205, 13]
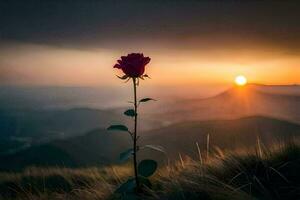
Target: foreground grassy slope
[271, 173]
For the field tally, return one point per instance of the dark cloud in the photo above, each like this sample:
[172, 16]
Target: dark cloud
[179, 23]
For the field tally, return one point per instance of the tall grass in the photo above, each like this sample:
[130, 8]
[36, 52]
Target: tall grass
[263, 174]
[267, 173]
[62, 183]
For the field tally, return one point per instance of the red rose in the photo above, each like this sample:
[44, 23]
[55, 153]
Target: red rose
[133, 65]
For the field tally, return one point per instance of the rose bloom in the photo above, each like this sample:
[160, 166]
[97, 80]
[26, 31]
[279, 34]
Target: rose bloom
[133, 65]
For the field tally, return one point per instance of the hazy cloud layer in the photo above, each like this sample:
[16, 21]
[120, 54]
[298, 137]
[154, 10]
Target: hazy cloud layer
[185, 23]
[64, 42]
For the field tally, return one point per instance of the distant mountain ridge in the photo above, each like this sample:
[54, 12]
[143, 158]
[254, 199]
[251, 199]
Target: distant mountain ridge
[278, 89]
[238, 102]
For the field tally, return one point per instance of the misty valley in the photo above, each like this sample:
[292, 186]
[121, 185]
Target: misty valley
[33, 135]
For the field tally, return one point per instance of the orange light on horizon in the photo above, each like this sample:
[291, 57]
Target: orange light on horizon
[240, 80]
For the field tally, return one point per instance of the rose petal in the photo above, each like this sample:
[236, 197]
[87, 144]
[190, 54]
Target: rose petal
[133, 65]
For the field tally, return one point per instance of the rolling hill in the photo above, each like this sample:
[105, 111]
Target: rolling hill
[97, 147]
[225, 134]
[100, 147]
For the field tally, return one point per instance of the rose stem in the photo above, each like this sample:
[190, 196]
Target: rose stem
[135, 135]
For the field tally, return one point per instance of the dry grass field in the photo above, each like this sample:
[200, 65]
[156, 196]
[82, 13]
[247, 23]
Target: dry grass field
[266, 173]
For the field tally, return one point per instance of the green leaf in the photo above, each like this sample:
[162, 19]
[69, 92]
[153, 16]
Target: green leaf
[117, 128]
[130, 113]
[145, 181]
[147, 99]
[126, 155]
[123, 77]
[155, 147]
[147, 167]
[128, 186]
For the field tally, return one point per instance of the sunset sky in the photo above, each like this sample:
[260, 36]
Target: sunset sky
[190, 42]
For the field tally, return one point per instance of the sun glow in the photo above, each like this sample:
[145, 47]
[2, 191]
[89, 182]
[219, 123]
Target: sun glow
[240, 80]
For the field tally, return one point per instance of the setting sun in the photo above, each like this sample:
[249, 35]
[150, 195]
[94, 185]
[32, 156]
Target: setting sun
[240, 80]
